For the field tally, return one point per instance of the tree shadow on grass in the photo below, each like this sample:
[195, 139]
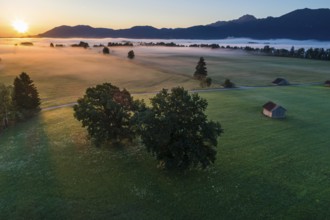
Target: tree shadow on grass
[29, 188]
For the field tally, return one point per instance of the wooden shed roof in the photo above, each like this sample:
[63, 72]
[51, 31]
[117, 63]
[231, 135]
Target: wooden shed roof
[280, 81]
[270, 106]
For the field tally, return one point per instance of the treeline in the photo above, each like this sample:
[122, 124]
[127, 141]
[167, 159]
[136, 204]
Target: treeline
[172, 44]
[19, 101]
[126, 44]
[81, 44]
[162, 44]
[311, 53]
[86, 45]
[212, 46]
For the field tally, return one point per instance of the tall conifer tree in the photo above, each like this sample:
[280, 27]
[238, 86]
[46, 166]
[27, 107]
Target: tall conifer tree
[25, 95]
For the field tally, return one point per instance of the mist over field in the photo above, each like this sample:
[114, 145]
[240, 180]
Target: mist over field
[67, 72]
[62, 74]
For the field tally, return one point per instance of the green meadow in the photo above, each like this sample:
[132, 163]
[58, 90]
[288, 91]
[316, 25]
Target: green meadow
[265, 169]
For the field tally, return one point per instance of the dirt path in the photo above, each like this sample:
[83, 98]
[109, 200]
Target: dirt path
[193, 91]
[59, 106]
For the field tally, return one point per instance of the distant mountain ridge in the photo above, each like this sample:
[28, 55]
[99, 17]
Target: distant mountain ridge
[241, 20]
[302, 24]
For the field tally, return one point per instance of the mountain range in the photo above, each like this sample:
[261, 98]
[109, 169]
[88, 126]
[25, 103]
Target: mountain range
[302, 24]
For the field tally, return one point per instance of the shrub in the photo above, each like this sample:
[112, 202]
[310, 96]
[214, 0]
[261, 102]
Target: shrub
[228, 84]
[106, 50]
[131, 54]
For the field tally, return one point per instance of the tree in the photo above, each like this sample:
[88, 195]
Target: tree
[201, 71]
[81, 44]
[106, 50]
[25, 96]
[107, 113]
[301, 53]
[131, 54]
[206, 82]
[292, 52]
[6, 106]
[228, 84]
[176, 130]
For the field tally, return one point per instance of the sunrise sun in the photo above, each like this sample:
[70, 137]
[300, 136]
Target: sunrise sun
[20, 26]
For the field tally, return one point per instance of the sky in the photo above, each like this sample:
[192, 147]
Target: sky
[43, 15]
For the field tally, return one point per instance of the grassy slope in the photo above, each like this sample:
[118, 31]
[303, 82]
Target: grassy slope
[63, 74]
[265, 168]
[240, 67]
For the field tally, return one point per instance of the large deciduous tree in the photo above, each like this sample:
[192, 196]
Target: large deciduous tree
[107, 113]
[177, 132]
[25, 95]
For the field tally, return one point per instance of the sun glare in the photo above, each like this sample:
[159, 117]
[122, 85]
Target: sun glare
[20, 26]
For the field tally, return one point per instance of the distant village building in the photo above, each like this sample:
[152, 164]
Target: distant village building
[281, 82]
[327, 83]
[272, 110]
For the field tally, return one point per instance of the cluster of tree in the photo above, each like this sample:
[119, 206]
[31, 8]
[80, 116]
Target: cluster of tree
[213, 46]
[81, 44]
[18, 102]
[163, 44]
[174, 128]
[311, 53]
[201, 73]
[98, 45]
[56, 45]
[126, 44]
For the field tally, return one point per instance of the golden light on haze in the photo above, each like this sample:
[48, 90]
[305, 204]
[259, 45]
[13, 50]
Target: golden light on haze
[20, 26]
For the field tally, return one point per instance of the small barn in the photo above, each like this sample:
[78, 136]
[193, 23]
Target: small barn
[272, 110]
[281, 82]
[327, 83]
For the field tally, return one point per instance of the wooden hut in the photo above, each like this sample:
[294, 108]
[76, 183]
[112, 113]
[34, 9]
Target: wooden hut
[272, 110]
[327, 83]
[281, 82]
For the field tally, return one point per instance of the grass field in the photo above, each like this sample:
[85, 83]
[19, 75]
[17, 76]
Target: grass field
[265, 169]
[241, 67]
[63, 74]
